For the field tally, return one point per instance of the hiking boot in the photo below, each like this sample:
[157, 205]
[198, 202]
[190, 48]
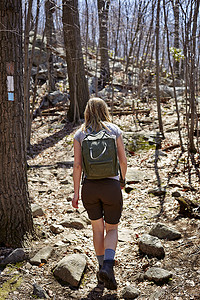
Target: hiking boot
[99, 281]
[106, 274]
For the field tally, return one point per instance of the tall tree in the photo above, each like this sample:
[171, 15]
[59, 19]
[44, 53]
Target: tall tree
[49, 29]
[157, 69]
[103, 9]
[15, 213]
[192, 77]
[175, 5]
[78, 88]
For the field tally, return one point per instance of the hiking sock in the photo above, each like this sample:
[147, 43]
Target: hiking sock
[100, 259]
[109, 254]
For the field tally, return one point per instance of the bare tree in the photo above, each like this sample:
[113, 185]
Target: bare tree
[15, 212]
[49, 30]
[157, 69]
[103, 9]
[26, 70]
[78, 88]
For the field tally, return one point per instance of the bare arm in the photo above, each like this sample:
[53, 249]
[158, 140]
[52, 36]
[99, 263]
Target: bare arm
[77, 170]
[122, 156]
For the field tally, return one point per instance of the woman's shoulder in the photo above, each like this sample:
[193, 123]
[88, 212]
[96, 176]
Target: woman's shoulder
[114, 128]
[80, 134]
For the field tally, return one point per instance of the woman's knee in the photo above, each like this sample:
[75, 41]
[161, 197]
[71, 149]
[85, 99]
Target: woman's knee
[97, 225]
[111, 227]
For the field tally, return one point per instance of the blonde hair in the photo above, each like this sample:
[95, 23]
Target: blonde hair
[96, 112]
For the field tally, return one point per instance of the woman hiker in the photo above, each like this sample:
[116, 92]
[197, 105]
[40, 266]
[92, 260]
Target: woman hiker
[102, 198]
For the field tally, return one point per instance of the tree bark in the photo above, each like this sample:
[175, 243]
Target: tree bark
[26, 72]
[157, 70]
[192, 78]
[103, 9]
[78, 88]
[15, 214]
[49, 29]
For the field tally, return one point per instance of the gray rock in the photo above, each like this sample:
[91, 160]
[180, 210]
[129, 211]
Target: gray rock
[158, 275]
[134, 175]
[56, 228]
[61, 73]
[130, 292]
[73, 223]
[39, 292]
[40, 56]
[164, 232]
[56, 97]
[151, 246]
[118, 67]
[41, 256]
[36, 210]
[15, 256]
[70, 269]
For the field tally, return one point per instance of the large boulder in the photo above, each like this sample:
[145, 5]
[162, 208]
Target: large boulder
[70, 269]
[151, 246]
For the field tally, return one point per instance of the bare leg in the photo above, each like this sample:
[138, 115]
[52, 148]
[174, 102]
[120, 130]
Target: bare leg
[98, 236]
[111, 238]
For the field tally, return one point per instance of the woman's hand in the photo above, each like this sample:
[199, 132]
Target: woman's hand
[75, 201]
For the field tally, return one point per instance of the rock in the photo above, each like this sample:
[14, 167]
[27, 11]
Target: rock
[151, 246]
[41, 256]
[118, 67]
[73, 223]
[39, 292]
[134, 175]
[70, 269]
[15, 256]
[158, 275]
[157, 191]
[56, 228]
[130, 292]
[56, 97]
[176, 194]
[36, 210]
[164, 232]
[61, 73]
[40, 56]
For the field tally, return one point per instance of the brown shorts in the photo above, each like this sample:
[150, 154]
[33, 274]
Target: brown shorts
[102, 198]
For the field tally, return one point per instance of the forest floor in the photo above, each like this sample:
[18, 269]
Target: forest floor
[50, 186]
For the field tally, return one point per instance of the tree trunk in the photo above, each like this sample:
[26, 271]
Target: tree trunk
[192, 78]
[78, 88]
[158, 69]
[176, 34]
[103, 9]
[15, 213]
[26, 71]
[49, 29]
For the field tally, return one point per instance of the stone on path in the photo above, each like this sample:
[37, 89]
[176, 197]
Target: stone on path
[41, 256]
[135, 175]
[151, 246]
[70, 269]
[15, 256]
[70, 222]
[56, 228]
[130, 292]
[36, 210]
[164, 232]
[39, 292]
[157, 191]
[158, 275]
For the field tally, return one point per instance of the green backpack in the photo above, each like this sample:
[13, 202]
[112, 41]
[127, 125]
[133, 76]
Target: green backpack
[99, 155]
